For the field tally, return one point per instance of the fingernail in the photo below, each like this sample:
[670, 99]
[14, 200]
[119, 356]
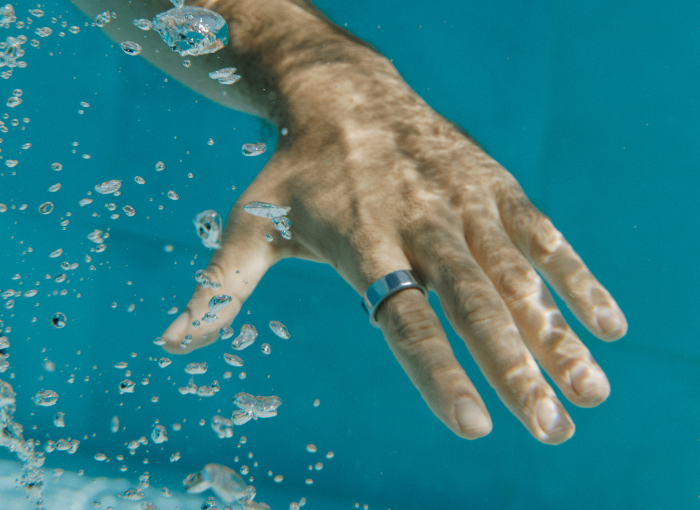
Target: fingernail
[470, 417]
[548, 417]
[586, 380]
[608, 321]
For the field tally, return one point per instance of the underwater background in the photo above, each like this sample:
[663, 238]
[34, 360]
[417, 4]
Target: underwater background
[592, 106]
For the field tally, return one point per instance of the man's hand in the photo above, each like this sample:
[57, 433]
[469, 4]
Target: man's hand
[377, 182]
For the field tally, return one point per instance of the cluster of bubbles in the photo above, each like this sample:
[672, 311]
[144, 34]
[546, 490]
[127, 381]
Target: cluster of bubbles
[190, 31]
[276, 213]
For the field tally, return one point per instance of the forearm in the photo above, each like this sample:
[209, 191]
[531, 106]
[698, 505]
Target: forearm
[268, 42]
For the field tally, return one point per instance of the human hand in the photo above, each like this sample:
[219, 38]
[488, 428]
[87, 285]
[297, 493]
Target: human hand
[377, 182]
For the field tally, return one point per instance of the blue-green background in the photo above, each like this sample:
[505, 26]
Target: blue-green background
[593, 106]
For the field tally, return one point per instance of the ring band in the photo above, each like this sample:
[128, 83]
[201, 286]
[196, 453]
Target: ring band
[386, 286]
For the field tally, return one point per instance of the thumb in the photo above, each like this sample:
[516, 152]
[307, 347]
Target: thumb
[238, 266]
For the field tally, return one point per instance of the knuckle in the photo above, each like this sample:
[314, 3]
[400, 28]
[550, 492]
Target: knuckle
[520, 285]
[479, 308]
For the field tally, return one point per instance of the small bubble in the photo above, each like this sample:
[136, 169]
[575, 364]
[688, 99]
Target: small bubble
[225, 76]
[45, 398]
[317, 403]
[140, 180]
[56, 253]
[265, 348]
[108, 187]
[210, 142]
[173, 196]
[59, 420]
[129, 210]
[131, 48]
[160, 166]
[26, 146]
[187, 63]
[311, 448]
[46, 208]
[279, 329]
[253, 149]
[268, 238]
[330, 455]
[54, 188]
[85, 201]
[11, 163]
[126, 386]
[278, 478]
[13, 102]
[74, 29]
[143, 24]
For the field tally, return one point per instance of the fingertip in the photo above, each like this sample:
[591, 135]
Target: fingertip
[175, 334]
[472, 420]
[611, 323]
[590, 385]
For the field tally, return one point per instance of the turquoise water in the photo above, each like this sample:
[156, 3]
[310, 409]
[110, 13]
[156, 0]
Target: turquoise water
[593, 108]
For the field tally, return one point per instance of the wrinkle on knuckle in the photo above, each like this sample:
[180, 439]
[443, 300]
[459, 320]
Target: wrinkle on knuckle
[520, 286]
[475, 308]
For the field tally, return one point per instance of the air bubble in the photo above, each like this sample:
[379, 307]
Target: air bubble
[253, 149]
[129, 210]
[108, 187]
[173, 196]
[126, 386]
[218, 303]
[196, 368]
[45, 398]
[131, 48]
[143, 24]
[59, 420]
[54, 188]
[279, 329]
[233, 360]
[159, 434]
[225, 76]
[245, 338]
[192, 30]
[266, 210]
[46, 208]
[208, 225]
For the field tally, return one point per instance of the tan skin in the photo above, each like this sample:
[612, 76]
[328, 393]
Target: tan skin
[377, 181]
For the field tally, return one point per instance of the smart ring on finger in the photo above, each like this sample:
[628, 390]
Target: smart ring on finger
[386, 286]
